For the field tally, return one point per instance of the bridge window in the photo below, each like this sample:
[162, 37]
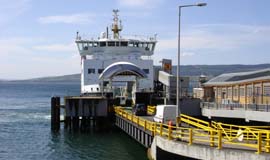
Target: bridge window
[124, 44]
[111, 43]
[102, 44]
[91, 71]
[136, 44]
[150, 45]
[85, 48]
[80, 46]
[130, 44]
[146, 71]
[100, 71]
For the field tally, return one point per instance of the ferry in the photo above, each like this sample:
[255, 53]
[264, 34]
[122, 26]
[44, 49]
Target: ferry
[115, 64]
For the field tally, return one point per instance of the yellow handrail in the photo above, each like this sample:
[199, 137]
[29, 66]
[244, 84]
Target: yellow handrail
[151, 110]
[219, 135]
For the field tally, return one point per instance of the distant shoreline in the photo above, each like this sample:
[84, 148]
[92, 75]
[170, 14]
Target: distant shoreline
[185, 70]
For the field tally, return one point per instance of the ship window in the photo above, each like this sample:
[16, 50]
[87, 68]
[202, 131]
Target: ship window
[80, 46]
[136, 44]
[85, 48]
[91, 70]
[124, 43]
[116, 43]
[140, 45]
[97, 89]
[146, 71]
[102, 44]
[95, 44]
[130, 44]
[111, 43]
[150, 46]
[100, 71]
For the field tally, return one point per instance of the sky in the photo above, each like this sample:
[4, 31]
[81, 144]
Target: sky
[37, 36]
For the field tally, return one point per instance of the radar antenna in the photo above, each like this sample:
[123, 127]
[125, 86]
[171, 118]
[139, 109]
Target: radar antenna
[116, 27]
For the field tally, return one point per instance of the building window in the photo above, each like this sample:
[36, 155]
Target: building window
[242, 92]
[91, 70]
[229, 92]
[100, 71]
[249, 91]
[266, 90]
[146, 71]
[257, 91]
[235, 92]
[219, 92]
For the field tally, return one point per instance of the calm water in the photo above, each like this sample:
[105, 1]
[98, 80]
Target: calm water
[25, 128]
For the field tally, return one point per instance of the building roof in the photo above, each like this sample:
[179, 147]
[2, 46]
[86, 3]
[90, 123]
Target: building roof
[122, 68]
[240, 77]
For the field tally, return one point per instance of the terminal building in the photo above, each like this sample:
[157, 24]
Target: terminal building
[238, 95]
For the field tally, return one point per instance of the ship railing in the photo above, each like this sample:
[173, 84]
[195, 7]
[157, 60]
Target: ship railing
[217, 135]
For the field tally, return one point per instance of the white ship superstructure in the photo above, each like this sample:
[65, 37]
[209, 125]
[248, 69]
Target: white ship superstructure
[111, 60]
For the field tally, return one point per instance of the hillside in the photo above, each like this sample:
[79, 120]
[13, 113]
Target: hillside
[186, 70]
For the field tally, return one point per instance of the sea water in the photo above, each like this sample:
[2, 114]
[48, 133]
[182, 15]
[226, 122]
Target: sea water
[25, 128]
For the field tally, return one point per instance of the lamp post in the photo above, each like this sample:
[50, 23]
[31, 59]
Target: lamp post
[178, 86]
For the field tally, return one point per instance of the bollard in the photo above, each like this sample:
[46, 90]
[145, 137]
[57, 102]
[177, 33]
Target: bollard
[170, 130]
[55, 113]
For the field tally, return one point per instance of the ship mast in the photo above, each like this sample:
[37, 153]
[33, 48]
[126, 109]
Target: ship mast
[116, 26]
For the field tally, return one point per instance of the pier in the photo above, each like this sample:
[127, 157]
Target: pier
[193, 136]
[196, 138]
[81, 113]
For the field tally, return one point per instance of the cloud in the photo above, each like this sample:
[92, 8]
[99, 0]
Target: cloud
[80, 18]
[139, 3]
[217, 37]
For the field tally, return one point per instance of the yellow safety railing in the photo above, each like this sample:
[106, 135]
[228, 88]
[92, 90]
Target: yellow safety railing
[151, 110]
[217, 136]
[195, 122]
